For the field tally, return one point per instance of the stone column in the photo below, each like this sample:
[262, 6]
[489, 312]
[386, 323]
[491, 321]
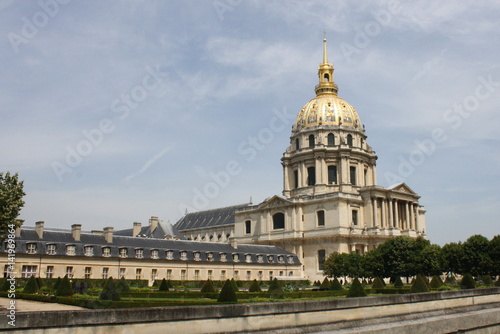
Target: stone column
[391, 216]
[407, 209]
[286, 178]
[374, 205]
[317, 167]
[396, 214]
[383, 222]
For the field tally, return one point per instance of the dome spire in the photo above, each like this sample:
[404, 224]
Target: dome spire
[325, 54]
[325, 74]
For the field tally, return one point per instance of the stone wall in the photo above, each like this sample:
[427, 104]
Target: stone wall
[337, 313]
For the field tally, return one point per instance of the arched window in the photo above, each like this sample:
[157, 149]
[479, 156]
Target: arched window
[349, 140]
[311, 176]
[326, 78]
[311, 141]
[297, 144]
[331, 139]
[279, 221]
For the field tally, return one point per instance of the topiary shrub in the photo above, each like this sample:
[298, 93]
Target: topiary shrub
[497, 283]
[450, 279]
[163, 286]
[235, 285]
[436, 282]
[325, 285]
[467, 282]
[364, 282]
[31, 286]
[254, 287]
[64, 288]
[378, 283]
[419, 285]
[487, 280]
[4, 285]
[227, 294]
[335, 285]
[317, 283]
[356, 289]
[275, 290]
[109, 291]
[398, 283]
[122, 286]
[57, 283]
[208, 287]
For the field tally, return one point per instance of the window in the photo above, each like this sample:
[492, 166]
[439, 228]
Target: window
[349, 140]
[236, 257]
[354, 217]
[154, 254]
[154, 274]
[6, 270]
[295, 179]
[139, 253]
[222, 275]
[290, 273]
[223, 257]
[31, 248]
[248, 258]
[183, 275]
[69, 272]
[209, 275]
[29, 271]
[169, 274]
[248, 226]
[290, 259]
[311, 141]
[311, 176]
[281, 259]
[197, 256]
[71, 250]
[271, 275]
[138, 273]
[297, 144]
[260, 275]
[321, 217]
[105, 272]
[279, 221]
[321, 259]
[331, 139]
[106, 251]
[270, 258]
[281, 272]
[50, 272]
[210, 256]
[88, 251]
[236, 275]
[170, 255]
[87, 273]
[260, 258]
[123, 252]
[122, 272]
[332, 174]
[196, 275]
[249, 275]
[184, 255]
[51, 249]
[326, 77]
[352, 172]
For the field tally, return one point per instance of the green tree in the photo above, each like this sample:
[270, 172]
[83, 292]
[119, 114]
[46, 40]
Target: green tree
[400, 256]
[31, 286]
[235, 285]
[468, 282]
[325, 285]
[109, 291]
[494, 254]
[122, 286]
[431, 260]
[64, 288]
[335, 285]
[208, 287]
[227, 294]
[254, 287]
[337, 264]
[373, 264]
[476, 259]
[356, 289]
[163, 285]
[378, 283]
[436, 282]
[419, 285]
[275, 290]
[11, 201]
[398, 283]
[452, 257]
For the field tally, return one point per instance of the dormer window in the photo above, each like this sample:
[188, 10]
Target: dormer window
[170, 255]
[248, 258]
[154, 254]
[71, 250]
[260, 258]
[210, 256]
[139, 253]
[184, 255]
[31, 248]
[270, 258]
[51, 249]
[197, 256]
[281, 259]
[236, 257]
[106, 251]
[223, 257]
[290, 259]
[88, 250]
[123, 252]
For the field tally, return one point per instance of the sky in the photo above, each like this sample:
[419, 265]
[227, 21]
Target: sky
[116, 111]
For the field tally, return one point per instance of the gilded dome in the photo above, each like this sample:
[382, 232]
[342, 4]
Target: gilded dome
[327, 108]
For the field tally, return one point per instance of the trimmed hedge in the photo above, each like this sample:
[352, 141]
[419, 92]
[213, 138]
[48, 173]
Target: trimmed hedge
[356, 289]
[468, 282]
[227, 294]
[254, 287]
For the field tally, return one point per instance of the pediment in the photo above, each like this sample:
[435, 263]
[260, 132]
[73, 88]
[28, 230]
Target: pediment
[403, 188]
[274, 202]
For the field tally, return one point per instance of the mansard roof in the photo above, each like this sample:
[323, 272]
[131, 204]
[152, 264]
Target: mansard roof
[163, 230]
[63, 238]
[209, 218]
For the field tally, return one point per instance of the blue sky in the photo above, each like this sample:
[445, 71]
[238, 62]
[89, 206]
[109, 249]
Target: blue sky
[116, 111]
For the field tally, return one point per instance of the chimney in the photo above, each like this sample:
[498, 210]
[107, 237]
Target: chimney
[76, 229]
[153, 223]
[18, 231]
[233, 243]
[108, 234]
[136, 229]
[39, 229]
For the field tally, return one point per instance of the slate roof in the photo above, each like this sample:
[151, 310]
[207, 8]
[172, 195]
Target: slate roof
[163, 229]
[62, 238]
[209, 218]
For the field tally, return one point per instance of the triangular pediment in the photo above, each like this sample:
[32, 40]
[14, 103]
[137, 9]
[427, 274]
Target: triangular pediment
[403, 188]
[274, 202]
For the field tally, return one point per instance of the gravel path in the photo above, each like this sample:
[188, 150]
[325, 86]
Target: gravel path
[30, 306]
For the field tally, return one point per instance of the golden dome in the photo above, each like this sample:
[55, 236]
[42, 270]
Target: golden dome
[327, 108]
